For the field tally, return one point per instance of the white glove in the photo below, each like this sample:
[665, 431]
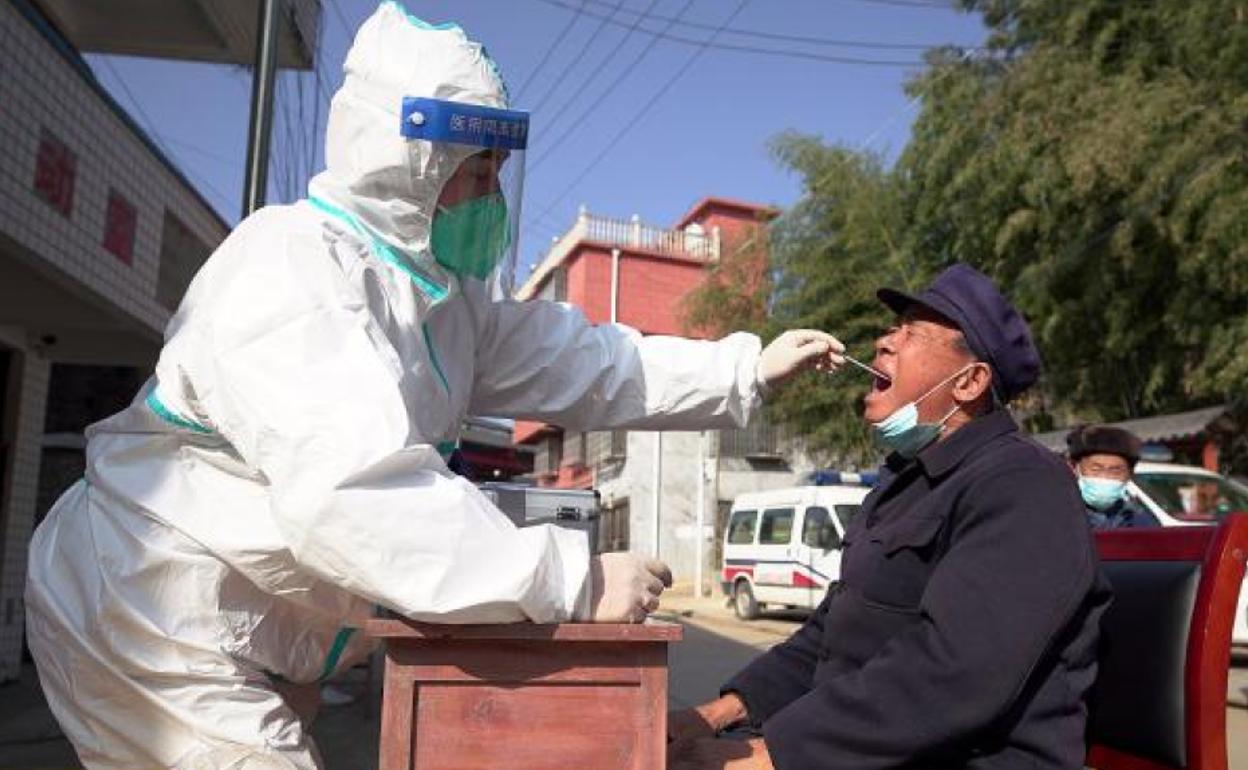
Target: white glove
[624, 587]
[795, 351]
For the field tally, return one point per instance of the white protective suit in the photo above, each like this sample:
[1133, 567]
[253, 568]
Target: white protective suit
[280, 474]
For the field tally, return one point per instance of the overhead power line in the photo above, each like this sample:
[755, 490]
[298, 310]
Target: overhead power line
[150, 128]
[342, 20]
[550, 49]
[937, 5]
[603, 95]
[593, 75]
[771, 36]
[752, 49]
[627, 128]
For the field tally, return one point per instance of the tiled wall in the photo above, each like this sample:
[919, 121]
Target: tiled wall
[22, 491]
[42, 92]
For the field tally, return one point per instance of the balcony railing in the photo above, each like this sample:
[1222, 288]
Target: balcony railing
[695, 244]
[691, 243]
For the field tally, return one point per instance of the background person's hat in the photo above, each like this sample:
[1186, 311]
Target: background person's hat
[993, 329]
[1103, 439]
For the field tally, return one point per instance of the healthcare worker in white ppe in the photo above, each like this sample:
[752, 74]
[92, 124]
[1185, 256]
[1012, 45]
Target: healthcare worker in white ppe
[282, 472]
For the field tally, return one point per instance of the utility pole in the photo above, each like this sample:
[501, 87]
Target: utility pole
[261, 128]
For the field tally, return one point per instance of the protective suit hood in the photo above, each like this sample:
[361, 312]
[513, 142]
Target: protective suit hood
[389, 182]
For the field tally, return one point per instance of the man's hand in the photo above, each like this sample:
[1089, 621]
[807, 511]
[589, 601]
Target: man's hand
[796, 351]
[705, 720]
[625, 587]
[720, 754]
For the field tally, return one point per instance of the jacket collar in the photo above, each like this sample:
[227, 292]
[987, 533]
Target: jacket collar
[945, 455]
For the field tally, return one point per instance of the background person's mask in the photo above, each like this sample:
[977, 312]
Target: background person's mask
[1101, 494]
[469, 238]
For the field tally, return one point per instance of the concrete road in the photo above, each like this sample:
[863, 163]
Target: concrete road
[716, 645]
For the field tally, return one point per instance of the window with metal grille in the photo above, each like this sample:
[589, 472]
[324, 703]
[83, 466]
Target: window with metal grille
[560, 281]
[614, 529]
[760, 441]
[574, 448]
[548, 455]
[605, 446]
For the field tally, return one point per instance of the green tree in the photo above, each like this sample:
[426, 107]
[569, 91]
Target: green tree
[1094, 162]
[830, 252]
[1097, 165]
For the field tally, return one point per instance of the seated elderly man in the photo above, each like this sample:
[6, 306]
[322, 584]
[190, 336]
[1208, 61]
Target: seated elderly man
[963, 631]
[1103, 458]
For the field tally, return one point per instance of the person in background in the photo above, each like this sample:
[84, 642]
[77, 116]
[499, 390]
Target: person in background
[1103, 458]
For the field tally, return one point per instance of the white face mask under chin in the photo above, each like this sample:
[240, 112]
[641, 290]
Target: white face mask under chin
[901, 431]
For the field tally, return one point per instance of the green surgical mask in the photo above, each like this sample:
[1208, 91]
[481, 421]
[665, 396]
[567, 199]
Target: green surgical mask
[469, 238]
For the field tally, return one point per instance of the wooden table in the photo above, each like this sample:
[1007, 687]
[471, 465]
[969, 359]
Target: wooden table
[524, 697]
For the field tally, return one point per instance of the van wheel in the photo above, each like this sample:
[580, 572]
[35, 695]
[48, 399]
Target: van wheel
[743, 602]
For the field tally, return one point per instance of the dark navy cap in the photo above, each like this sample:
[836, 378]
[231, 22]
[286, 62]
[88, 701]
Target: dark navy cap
[993, 329]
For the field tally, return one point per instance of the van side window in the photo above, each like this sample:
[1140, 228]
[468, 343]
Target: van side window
[777, 527]
[846, 514]
[818, 530]
[741, 528]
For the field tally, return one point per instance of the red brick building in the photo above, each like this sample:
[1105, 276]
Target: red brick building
[623, 271]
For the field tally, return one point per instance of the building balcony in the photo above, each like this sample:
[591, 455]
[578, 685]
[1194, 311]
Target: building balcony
[691, 244]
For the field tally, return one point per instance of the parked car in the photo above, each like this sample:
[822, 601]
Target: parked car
[1185, 496]
[782, 548]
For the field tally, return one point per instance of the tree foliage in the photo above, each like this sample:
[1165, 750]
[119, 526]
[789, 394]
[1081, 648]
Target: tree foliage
[1094, 162]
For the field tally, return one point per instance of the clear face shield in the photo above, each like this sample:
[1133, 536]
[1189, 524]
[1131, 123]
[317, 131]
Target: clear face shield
[476, 226]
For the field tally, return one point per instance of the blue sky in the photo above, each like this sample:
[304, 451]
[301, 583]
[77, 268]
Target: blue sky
[663, 123]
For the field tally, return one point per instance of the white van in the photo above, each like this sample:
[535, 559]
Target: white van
[783, 547]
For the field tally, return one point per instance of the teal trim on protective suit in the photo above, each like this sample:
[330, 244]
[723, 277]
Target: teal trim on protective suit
[433, 358]
[383, 250]
[445, 448]
[335, 651]
[421, 23]
[165, 413]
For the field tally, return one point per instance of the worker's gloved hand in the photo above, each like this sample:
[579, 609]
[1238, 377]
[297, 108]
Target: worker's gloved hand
[796, 351]
[625, 587]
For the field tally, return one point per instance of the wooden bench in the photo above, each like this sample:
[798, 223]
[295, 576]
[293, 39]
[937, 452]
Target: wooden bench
[1160, 698]
[524, 696]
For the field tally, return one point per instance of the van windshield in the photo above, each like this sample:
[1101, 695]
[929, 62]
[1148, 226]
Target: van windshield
[1193, 496]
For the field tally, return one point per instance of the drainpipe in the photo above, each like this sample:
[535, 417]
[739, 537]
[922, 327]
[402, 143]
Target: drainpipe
[701, 518]
[658, 487]
[615, 285]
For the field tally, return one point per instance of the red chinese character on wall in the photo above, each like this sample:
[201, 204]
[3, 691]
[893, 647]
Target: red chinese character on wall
[55, 166]
[120, 222]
